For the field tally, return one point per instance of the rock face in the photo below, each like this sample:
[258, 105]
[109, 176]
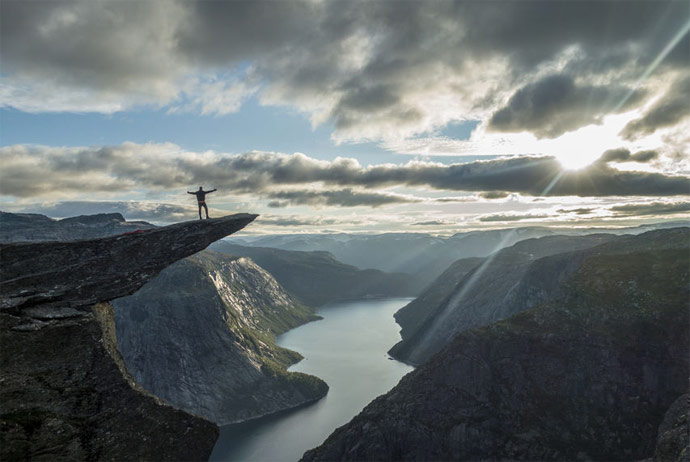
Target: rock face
[23, 227]
[673, 440]
[589, 374]
[411, 317]
[65, 392]
[317, 278]
[81, 273]
[474, 293]
[201, 336]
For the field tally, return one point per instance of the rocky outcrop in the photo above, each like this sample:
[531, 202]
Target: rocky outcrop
[65, 394]
[484, 291]
[201, 336]
[32, 227]
[84, 272]
[588, 375]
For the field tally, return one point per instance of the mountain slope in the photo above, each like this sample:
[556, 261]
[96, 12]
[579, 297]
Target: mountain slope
[413, 315]
[587, 375]
[497, 287]
[421, 255]
[201, 337]
[317, 278]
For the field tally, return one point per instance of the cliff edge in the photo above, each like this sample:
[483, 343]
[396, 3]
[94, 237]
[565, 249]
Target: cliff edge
[66, 394]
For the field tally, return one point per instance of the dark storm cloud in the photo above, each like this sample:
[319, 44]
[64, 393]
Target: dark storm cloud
[577, 211]
[556, 104]
[535, 31]
[673, 107]
[434, 223]
[341, 197]
[494, 195]
[36, 171]
[372, 68]
[653, 208]
[624, 155]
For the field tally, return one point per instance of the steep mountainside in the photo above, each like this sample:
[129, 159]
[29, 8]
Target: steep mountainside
[422, 255]
[317, 277]
[595, 373]
[66, 394]
[19, 227]
[201, 336]
[412, 316]
[511, 280]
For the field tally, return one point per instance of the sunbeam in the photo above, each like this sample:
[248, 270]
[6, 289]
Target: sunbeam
[654, 64]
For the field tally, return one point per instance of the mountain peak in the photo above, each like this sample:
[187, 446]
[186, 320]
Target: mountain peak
[95, 219]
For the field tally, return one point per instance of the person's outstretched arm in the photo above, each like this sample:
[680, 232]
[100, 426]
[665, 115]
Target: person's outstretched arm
[190, 192]
[211, 190]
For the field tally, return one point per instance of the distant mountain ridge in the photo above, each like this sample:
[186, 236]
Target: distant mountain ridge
[28, 227]
[423, 255]
[317, 277]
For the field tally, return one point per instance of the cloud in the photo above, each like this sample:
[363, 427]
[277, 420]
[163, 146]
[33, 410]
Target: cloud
[435, 223]
[512, 217]
[340, 197]
[671, 108]
[556, 104]
[297, 220]
[38, 171]
[651, 208]
[624, 155]
[375, 70]
[578, 211]
[83, 55]
[494, 195]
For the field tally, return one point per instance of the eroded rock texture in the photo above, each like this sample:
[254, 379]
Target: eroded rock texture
[201, 336]
[84, 272]
[65, 392]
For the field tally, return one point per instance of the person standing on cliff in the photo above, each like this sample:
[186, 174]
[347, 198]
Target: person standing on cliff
[201, 199]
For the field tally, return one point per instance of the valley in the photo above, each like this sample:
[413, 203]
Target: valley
[555, 346]
[347, 349]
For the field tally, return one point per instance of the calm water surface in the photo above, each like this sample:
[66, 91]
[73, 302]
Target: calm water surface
[347, 349]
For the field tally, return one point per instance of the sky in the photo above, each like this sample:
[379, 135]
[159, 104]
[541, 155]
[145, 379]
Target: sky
[348, 116]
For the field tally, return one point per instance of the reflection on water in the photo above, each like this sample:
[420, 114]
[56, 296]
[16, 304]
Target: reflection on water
[347, 349]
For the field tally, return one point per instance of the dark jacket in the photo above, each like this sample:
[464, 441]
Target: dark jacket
[201, 194]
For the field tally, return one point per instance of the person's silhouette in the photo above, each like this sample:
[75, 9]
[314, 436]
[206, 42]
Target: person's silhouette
[201, 199]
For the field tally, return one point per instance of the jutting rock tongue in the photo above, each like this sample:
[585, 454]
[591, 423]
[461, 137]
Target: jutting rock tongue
[66, 394]
[81, 273]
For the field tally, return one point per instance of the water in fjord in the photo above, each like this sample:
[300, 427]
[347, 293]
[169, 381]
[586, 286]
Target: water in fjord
[347, 349]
